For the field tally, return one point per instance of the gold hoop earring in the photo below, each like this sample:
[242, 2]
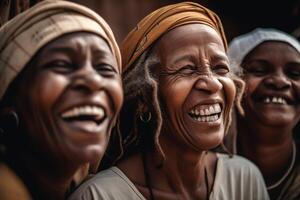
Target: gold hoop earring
[145, 117]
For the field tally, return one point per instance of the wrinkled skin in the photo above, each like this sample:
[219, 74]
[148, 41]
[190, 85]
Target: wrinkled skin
[75, 70]
[271, 73]
[194, 73]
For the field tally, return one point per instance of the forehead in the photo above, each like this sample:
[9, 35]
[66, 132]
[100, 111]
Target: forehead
[190, 40]
[78, 41]
[269, 48]
[190, 34]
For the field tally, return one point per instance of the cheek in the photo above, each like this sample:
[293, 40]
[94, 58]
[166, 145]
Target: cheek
[49, 89]
[251, 86]
[115, 91]
[229, 91]
[296, 88]
[175, 93]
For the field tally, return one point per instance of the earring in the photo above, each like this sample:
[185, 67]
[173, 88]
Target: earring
[145, 117]
[9, 118]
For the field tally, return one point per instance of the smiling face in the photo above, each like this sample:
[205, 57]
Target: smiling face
[69, 98]
[195, 92]
[272, 76]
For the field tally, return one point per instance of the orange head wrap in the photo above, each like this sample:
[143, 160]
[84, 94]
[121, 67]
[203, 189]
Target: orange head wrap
[163, 20]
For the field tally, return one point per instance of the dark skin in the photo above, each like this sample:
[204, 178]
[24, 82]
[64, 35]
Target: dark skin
[192, 76]
[67, 101]
[272, 69]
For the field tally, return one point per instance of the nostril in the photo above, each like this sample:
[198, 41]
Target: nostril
[209, 84]
[88, 83]
[278, 82]
[81, 88]
[201, 84]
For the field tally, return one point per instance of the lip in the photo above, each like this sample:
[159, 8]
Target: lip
[92, 104]
[205, 120]
[85, 126]
[209, 102]
[288, 98]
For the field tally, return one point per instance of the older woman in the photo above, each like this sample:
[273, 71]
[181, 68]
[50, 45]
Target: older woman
[269, 62]
[178, 98]
[60, 94]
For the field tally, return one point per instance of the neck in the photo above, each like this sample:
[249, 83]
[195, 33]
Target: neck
[44, 179]
[270, 148]
[183, 171]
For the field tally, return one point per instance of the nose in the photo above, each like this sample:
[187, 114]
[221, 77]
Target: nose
[86, 79]
[208, 83]
[278, 81]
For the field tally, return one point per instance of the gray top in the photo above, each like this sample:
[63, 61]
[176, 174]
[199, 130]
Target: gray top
[236, 179]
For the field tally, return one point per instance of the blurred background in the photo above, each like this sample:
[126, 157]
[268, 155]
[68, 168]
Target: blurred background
[238, 17]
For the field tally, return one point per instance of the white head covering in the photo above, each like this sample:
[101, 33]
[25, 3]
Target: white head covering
[241, 46]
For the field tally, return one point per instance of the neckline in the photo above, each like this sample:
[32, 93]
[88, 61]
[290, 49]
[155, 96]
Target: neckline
[279, 182]
[119, 172]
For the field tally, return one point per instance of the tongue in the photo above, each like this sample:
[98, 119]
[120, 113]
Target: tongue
[85, 125]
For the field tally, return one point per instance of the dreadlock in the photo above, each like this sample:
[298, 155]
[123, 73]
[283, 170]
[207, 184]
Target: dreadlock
[131, 134]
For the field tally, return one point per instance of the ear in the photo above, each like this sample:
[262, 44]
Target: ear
[240, 88]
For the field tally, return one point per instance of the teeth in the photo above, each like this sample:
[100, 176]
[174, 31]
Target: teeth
[84, 110]
[204, 112]
[276, 100]
[211, 118]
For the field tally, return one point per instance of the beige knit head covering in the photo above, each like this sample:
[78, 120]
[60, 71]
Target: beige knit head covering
[23, 36]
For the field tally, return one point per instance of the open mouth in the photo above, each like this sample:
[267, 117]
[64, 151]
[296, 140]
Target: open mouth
[88, 114]
[275, 100]
[206, 113]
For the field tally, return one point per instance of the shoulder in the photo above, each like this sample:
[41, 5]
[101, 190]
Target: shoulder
[235, 161]
[238, 178]
[13, 187]
[240, 169]
[291, 189]
[109, 184]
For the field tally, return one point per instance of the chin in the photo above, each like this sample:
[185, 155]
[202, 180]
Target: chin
[210, 143]
[275, 120]
[91, 153]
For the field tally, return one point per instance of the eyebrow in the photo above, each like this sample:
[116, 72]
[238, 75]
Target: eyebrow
[71, 51]
[221, 57]
[185, 56]
[262, 61]
[58, 49]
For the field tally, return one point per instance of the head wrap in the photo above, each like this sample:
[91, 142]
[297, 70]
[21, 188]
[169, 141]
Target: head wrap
[242, 45]
[163, 20]
[23, 36]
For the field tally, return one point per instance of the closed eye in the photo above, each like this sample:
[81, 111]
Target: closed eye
[293, 71]
[256, 71]
[187, 70]
[105, 70]
[60, 66]
[220, 69]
